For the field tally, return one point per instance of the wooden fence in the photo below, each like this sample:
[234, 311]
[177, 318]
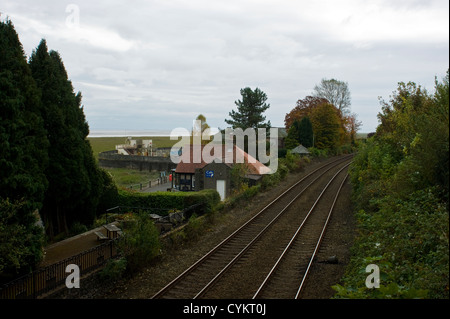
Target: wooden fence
[47, 279]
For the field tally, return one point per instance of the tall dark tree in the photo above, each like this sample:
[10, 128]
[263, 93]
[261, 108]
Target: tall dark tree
[23, 155]
[250, 110]
[300, 132]
[23, 143]
[293, 136]
[72, 172]
[305, 132]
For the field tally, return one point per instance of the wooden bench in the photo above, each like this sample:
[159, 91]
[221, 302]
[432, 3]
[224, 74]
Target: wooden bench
[112, 231]
[100, 236]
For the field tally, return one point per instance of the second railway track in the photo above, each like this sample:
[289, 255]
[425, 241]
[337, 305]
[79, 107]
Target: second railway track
[240, 263]
[289, 273]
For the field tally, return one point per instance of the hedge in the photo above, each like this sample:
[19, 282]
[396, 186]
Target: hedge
[168, 200]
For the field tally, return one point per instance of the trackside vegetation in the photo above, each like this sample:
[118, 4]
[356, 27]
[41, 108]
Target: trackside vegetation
[400, 192]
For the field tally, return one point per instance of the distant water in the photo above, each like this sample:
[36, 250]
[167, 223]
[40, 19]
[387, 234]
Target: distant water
[125, 133]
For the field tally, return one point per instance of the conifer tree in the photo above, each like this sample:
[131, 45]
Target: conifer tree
[73, 176]
[23, 156]
[23, 143]
[305, 132]
[250, 110]
[293, 137]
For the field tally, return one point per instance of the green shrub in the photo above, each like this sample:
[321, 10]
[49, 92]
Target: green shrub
[177, 238]
[270, 180]
[315, 152]
[306, 159]
[292, 161]
[251, 191]
[77, 228]
[194, 227]
[140, 242]
[410, 249]
[283, 170]
[114, 270]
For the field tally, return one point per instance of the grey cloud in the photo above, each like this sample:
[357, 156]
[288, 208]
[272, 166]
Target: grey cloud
[153, 64]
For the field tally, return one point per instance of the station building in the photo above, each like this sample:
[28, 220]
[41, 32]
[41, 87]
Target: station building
[193, 173]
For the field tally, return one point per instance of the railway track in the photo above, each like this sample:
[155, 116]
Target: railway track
[287, 277]
[237, 266]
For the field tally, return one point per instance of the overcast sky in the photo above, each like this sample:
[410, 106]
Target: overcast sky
[156, 65]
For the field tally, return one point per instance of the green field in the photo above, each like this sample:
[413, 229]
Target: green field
[360, 136]
[127, 177]
[102, 144]
[124, 177]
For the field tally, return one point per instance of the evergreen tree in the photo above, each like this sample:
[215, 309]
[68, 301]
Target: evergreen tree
[293, 136]
[250, 110]
[300, 132]
[74, 183]
[23, 155]
[23, 143]
[305, 132]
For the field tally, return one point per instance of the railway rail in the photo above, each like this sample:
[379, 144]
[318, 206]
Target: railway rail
[236, 267]
[296, 255]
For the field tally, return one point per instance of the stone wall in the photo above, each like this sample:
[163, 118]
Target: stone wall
[111, 159]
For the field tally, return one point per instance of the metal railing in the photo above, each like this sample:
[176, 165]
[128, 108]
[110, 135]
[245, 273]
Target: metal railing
[150, 184]
[52, 277]
[49, 278]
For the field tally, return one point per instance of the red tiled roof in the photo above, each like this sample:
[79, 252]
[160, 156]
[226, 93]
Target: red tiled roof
[187, 165]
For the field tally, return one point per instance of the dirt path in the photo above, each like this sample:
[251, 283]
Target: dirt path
[71, 246]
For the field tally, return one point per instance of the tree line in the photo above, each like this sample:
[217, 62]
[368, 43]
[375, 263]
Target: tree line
[47, 167]
[322, 120]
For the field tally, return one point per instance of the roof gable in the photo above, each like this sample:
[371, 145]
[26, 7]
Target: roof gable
[300, 150]
[193, 159]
